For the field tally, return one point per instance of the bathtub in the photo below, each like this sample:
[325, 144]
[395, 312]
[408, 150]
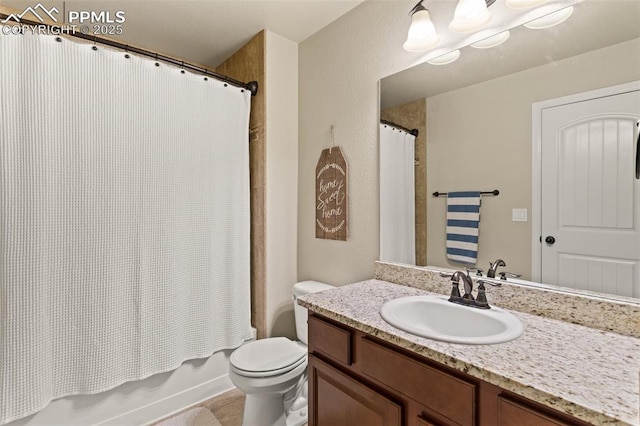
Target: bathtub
[141, 402]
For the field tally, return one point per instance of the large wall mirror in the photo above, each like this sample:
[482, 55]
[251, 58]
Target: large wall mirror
[531, 118]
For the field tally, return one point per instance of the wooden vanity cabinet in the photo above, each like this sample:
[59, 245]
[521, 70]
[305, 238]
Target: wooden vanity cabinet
[358, 380]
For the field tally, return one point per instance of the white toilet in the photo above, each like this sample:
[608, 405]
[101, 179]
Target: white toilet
[273, 372]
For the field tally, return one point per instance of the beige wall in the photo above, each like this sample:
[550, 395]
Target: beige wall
[281, 182]
[479, 138]
[339, 70]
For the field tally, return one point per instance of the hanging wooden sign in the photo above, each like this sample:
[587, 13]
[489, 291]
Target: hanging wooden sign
[331, 195]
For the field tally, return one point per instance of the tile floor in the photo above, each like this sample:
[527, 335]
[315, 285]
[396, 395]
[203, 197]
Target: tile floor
[227, 407]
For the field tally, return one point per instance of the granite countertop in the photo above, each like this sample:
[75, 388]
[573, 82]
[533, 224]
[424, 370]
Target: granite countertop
[587, 373]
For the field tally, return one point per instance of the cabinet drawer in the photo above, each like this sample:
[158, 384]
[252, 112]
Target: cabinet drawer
[329, 340]
[443, 393]
[511, 413]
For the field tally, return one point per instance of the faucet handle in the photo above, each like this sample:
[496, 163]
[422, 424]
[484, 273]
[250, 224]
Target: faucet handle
[478, 271]
[481, 299]
[455, 292]
[505, 274]
[491, 283]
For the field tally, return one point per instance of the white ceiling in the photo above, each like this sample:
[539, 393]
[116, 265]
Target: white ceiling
[594, 24]
[208, 31]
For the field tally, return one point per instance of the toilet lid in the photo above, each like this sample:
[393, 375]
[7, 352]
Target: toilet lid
[275, 354]
[271, 373]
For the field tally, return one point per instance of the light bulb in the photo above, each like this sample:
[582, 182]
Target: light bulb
[470, 15]
[422, 33]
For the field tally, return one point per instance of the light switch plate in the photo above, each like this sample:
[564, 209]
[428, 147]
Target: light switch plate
[519, 215]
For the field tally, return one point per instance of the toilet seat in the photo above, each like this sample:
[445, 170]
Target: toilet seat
[267, 357]
[270, 373]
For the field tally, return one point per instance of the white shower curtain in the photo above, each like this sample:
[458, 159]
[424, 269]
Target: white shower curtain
[397, 197]
[124, 219]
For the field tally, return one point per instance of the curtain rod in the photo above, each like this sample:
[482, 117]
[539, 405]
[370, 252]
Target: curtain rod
[413, 132]
[251, 86]
[494, 192]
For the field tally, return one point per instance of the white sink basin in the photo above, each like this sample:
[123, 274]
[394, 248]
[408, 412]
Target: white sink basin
[436, 318]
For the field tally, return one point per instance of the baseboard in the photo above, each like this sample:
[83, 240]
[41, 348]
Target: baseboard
[160, 409]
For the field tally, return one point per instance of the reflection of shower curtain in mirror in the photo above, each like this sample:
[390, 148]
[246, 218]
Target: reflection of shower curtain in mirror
[124, 220]
[397, 198]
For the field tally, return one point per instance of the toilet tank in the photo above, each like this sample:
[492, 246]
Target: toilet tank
[301, 314]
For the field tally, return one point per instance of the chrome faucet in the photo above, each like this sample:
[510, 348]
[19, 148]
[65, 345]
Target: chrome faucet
[493, 266]
[467, 298]
[466, 281]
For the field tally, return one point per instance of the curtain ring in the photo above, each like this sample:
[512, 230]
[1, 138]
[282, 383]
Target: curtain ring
[94, 43]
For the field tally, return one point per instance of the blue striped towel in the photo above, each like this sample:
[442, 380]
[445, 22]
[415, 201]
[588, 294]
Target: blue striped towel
[463, 220]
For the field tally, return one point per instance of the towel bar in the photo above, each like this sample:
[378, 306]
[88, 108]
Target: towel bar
[494, 192]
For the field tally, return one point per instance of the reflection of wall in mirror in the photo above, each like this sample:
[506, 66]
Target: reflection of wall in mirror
[484, 132]
[413, 115]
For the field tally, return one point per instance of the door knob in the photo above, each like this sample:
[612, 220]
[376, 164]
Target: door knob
[549, 240]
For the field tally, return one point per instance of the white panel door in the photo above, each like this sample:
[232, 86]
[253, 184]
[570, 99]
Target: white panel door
[590, 195]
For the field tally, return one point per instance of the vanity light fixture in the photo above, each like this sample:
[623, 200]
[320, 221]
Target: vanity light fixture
[551, 19]
[445, 59]
[493, 41]
[422, 33]
[525, 4]
[470, 15]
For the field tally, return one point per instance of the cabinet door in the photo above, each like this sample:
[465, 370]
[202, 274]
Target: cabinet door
[338, 400]
[421, 421]
[511, 413]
